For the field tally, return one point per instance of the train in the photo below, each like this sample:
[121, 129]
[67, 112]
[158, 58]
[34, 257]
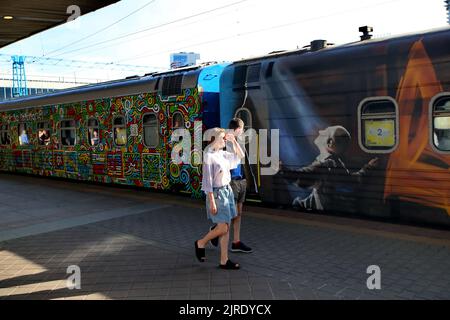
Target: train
[361, 128]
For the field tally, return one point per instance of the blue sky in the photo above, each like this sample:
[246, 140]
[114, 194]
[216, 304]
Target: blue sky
[240, 29]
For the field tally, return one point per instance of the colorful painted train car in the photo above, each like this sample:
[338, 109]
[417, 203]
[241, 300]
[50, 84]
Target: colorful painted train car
[116, 132]
[364, 128]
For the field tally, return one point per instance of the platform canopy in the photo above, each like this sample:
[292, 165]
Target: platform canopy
[20, 19]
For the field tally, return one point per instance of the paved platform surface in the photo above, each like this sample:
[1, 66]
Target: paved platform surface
[132, 244]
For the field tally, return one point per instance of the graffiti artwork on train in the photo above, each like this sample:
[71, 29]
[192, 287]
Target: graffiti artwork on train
[389, 101]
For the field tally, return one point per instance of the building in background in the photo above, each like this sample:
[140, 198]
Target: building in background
[7, 92]
[41, 85]
[183, 59]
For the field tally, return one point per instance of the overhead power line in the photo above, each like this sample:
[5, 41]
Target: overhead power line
[91, 49]
[152, 27]
[61, 80]
[101, 30]
[284, 25]
[79, 64]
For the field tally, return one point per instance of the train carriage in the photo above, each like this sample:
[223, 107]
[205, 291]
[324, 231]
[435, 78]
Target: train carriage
[116, 132]
[390, 100]
[362, 128]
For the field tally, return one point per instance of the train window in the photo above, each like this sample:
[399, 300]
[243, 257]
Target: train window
[269, 70]
[44, 133]
[239, 76]
[253, 71]
[68, 132]
[441, 123]
[151, 130]
[4, 135]
[157, 83]
[378, 125]
[245, 115]
[120, 131]
[93, 132]
[177, 120]
[172, 85]
[22, 134]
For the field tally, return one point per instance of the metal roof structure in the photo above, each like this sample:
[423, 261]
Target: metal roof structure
[20, 19]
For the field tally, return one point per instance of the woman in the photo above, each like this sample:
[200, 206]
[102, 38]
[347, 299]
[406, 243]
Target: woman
[219, 195]
[94, 139]
[23, 138]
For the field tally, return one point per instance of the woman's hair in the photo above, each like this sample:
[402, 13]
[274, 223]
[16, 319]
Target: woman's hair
[213, 134]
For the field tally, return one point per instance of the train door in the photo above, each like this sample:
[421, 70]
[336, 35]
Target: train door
[154, 150]
[5, 145]
[43, 163]
[178, 169]
[24, 147]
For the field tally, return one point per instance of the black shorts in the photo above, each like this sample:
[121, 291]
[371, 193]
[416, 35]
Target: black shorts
[239, 189]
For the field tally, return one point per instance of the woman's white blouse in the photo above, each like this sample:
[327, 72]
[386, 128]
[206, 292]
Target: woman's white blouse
[216, 168]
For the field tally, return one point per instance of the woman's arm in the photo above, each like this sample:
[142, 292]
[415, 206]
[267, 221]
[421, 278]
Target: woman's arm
[212, 203]
[207, 183]
[236, 147]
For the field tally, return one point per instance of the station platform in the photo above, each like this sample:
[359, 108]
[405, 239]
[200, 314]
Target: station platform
[139, 244]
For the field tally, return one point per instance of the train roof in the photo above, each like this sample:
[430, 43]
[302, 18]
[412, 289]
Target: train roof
[121, 87]
[281, 53]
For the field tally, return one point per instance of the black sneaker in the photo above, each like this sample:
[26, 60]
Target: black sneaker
[240, 247]
[215, 241]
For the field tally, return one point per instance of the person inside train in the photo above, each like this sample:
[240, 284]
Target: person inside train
[220, 206]
[120, 136]
[441, 134]
[178, 121]
[23, 138]
[5, 140]
[44, 137]
[69, 140]
[94, 137]
[327, 176]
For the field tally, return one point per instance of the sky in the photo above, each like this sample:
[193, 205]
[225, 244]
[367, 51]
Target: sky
[145, 32]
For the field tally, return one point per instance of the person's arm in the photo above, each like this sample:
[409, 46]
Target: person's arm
[372, 164]
[207, 184]
[236, 147]
[299, 172]
[305, 176]
[212, 203]
[234, 157]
